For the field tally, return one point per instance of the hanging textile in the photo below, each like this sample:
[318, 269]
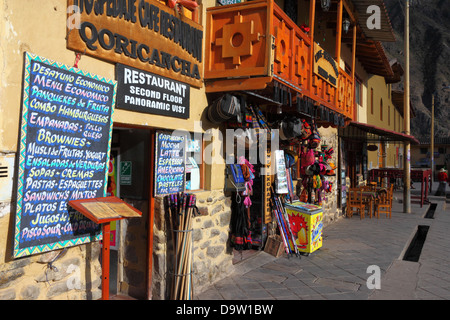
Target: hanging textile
[240, 224]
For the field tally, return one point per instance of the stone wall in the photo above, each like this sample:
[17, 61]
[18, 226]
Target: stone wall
[331, 212]
[212, 255]
[74, 274]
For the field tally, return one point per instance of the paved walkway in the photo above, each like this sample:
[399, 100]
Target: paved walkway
[339, 270]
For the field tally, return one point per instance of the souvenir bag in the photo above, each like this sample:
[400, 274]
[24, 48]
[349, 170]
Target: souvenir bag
[306, 130]
[314, 139]
[307, 157]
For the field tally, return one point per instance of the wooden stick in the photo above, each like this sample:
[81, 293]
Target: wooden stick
[187, 257]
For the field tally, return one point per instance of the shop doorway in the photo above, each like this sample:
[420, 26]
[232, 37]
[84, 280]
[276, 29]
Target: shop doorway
[130, 179]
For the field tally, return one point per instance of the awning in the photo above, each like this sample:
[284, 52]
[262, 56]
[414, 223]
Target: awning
[369, 133]
[385, 31]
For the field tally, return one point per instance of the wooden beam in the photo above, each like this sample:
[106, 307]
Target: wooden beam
[355, 112]
[312, 14]
[338, 33]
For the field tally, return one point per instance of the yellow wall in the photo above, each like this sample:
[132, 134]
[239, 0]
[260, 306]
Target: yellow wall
[387, 117]
[44, 34]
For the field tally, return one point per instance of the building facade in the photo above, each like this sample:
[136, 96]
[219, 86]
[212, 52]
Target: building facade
[170, 66]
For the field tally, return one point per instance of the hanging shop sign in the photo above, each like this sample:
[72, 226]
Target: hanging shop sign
[144, 34]
[150, 93]
[267, 181]
[64, 151]
[170, 164]
[325, 66]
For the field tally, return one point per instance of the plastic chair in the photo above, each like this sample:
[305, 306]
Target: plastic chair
[355, 201]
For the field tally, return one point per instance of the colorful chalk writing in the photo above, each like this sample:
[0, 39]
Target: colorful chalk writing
[64, 151]
[170, 165]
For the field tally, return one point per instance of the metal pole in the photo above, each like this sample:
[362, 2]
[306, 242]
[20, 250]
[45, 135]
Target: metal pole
[432, 139]
[406, 119]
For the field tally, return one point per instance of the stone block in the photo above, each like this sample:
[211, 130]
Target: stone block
[214, 251]
[30, 292]
[8, 277]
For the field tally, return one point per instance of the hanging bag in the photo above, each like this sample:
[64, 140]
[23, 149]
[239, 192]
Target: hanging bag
[306, 130]
[307, 157]
[314, 139]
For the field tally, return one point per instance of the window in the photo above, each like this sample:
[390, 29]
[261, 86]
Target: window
[381, 109]
[290, 8]
[194, 163]
[357, 91]
[371, 100]
[394, 118]
[423, 150]
[389, 115]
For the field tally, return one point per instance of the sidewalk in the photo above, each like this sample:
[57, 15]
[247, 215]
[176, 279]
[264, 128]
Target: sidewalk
[339, 270]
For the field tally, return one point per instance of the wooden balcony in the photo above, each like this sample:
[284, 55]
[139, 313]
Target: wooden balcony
[255, 46]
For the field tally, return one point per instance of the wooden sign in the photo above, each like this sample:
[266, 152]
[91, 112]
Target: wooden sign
[64, 151]
[325, 66]
[105, 209]
[145, 34]
[170, 164]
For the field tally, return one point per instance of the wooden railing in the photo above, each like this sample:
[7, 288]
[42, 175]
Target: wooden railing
[252, 44]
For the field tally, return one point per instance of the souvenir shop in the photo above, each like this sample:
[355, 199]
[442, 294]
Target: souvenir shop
[277, 192]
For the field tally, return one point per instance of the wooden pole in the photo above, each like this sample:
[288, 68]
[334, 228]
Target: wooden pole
[406, 119]
[312, 14]
[338, 33]
[151, 215]
[105, 259]
[355, 109]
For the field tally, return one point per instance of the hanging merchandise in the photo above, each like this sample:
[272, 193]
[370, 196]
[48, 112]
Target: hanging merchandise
[234, 180]
[280, 170]
[224, 108]
[290, 157]
[248, 173]
[306, 130]
[241, 235]
[314, 139]
[307, 156]
[290, 128]
[261, 119]
[240, 224]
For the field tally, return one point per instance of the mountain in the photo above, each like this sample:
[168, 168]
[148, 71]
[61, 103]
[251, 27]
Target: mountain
[429, 60]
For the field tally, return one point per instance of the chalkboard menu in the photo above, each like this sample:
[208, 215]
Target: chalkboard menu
[64, 150]
[170, 165]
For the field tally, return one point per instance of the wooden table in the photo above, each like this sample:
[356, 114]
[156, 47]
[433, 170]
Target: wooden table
[422, 174]
[369, 197]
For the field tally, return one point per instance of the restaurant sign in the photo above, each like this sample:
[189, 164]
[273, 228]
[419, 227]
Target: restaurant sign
[145, 92]
[325, 66]
[144, 34]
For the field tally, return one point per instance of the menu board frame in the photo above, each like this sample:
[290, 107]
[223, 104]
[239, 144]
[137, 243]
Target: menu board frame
[50, 226]
[168, 163]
